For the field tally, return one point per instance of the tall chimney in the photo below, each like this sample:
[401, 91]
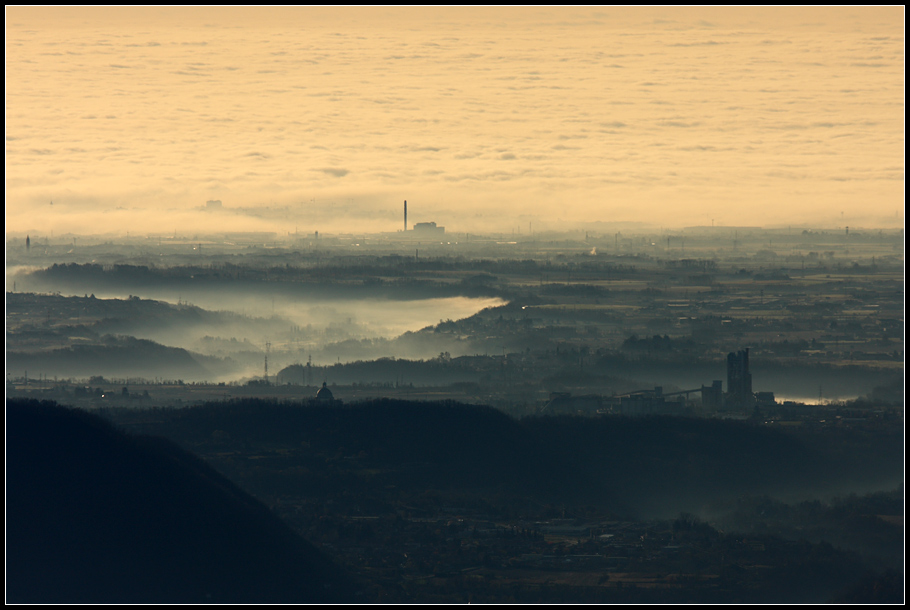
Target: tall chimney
[405, 214]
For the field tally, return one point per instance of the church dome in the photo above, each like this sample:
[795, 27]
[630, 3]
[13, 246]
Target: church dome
[324, 394]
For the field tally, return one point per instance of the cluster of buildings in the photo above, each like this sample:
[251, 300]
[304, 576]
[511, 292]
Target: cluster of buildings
[738, 397]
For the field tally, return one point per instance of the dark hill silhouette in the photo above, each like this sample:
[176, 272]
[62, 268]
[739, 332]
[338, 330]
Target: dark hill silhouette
[113, 356]
[98, 516]
[652, 466]
[418, 445]
[318, 283]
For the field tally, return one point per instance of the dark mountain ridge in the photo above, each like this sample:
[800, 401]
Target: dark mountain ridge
[95, 515]
[649, 466]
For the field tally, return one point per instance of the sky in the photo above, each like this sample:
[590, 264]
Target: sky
[484, 119]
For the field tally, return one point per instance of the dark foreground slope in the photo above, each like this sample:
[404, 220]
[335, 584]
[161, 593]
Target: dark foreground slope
[441, 502]
[95, 515]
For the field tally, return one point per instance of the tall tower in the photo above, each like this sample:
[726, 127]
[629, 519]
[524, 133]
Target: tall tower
[739, 379]
[405, 214]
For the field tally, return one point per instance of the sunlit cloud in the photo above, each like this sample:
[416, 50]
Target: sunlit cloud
[490, 108]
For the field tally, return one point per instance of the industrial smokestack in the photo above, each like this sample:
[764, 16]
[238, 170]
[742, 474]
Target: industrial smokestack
[405, 214]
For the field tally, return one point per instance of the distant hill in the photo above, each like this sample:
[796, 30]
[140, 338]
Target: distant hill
[98, 516]
[113, 356]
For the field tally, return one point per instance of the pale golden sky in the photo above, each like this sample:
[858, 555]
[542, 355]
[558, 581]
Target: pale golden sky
[130, 119]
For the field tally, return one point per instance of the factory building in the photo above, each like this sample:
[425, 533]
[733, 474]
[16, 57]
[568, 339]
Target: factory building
[423, 229]
[739, 380]
[429, 229]
[712, 397]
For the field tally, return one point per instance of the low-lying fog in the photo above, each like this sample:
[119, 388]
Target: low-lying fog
[311, 327]
[296, 326]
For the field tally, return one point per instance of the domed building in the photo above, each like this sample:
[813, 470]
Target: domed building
[324, 396]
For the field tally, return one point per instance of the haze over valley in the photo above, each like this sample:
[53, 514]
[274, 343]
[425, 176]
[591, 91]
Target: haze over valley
[455, 305]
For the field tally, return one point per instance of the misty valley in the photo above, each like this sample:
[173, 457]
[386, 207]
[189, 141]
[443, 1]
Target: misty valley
[455, 304]
[709, 415]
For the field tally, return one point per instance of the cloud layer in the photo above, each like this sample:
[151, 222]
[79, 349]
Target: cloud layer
[479, 117]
